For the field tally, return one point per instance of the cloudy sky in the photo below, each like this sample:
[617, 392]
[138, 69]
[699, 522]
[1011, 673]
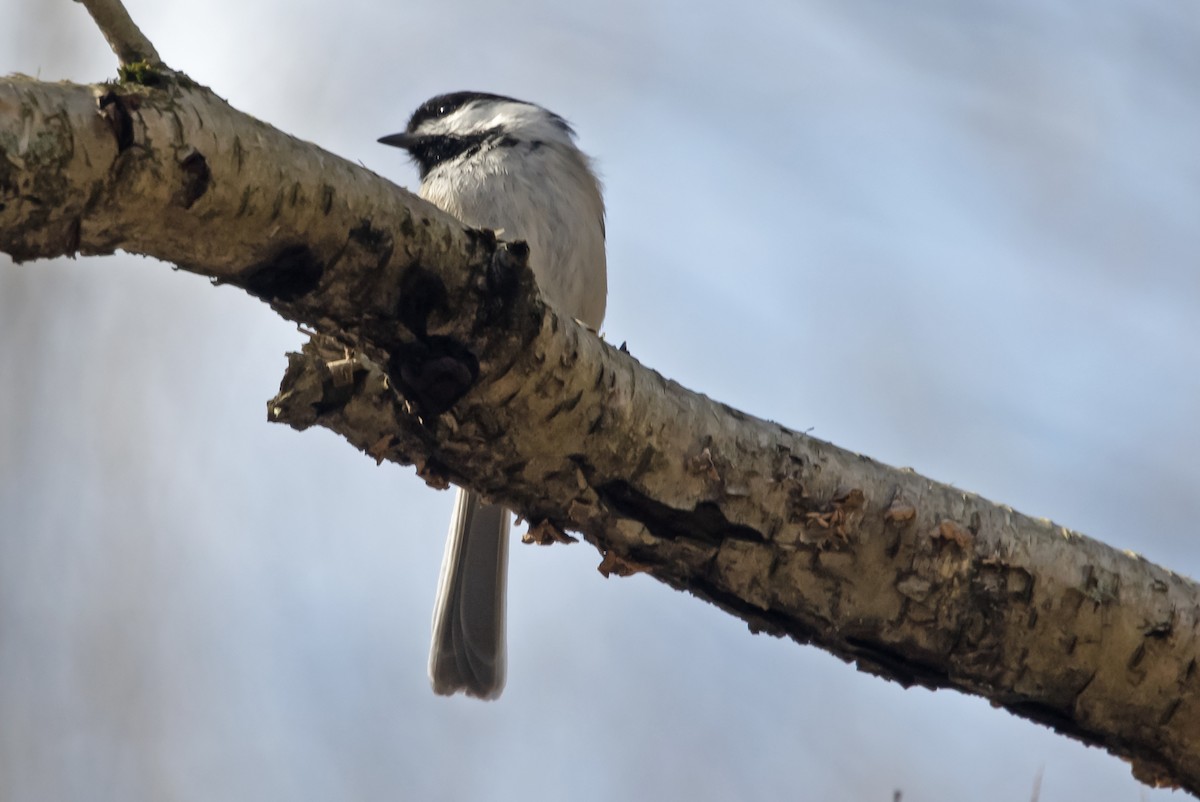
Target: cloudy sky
[971, 229]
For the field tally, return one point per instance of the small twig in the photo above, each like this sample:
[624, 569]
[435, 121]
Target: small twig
[129, 43]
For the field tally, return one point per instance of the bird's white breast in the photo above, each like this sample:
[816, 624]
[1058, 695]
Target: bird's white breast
[543, 193]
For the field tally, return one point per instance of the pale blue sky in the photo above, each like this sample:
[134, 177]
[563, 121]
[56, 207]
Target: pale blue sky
[963, 237]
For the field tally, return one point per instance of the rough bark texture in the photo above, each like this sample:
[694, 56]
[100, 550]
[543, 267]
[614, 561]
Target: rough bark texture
[434, 350]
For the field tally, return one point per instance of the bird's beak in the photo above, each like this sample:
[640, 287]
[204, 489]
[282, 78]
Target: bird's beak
[405, 140]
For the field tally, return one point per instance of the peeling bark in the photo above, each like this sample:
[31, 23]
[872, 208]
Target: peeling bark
[434, 349]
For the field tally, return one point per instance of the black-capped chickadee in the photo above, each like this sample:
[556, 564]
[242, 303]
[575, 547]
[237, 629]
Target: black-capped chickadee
[504, 164]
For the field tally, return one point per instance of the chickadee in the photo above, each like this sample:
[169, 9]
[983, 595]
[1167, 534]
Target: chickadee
[504, 164]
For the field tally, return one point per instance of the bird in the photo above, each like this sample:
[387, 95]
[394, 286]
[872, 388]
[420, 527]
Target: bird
[512, 166]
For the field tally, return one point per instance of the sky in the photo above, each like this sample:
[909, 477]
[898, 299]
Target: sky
[961, 237]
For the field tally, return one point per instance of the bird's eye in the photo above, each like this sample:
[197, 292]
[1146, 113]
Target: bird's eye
[441, 110]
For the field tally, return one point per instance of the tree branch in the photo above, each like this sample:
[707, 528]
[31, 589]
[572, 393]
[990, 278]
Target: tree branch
[457, 367]
[121, 33]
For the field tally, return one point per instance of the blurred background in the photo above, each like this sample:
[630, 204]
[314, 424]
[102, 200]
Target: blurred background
[962, 237]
